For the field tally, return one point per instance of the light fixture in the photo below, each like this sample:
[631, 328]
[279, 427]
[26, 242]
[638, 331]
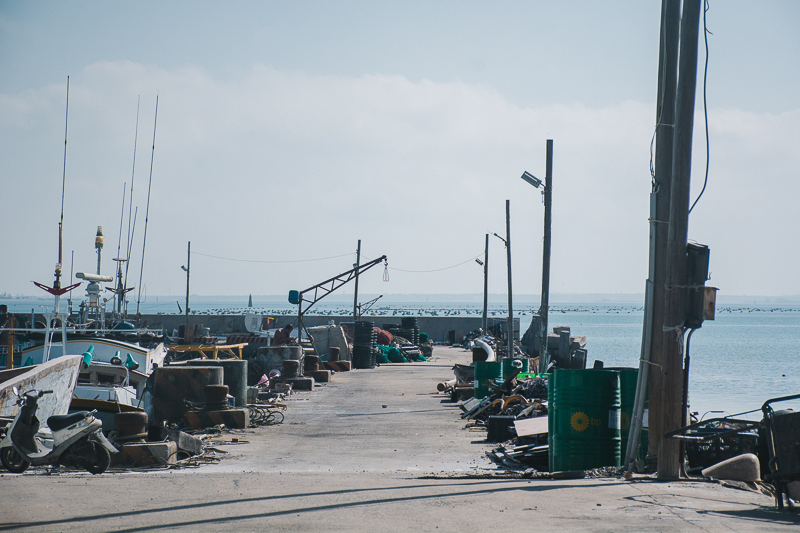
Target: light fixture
[530, 178]
[184, 268]
[499, 237]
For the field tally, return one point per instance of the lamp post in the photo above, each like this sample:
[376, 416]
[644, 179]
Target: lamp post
[485, 265]
[548, 199]
[507, 242]
[186, 269]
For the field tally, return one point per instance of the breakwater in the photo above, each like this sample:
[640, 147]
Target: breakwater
[437, 327]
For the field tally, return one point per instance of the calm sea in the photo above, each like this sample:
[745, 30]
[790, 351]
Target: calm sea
[746, 356]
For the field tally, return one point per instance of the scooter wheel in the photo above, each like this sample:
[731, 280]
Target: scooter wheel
[102, 460]
[13, 461]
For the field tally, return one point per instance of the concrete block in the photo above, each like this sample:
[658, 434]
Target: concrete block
[272, 357]
[298, 383]
[232, 418]
[326, 337]
[337, 366]
[743, 467]
[145, 454]
[185, 442]
[322, 376]
[175, 383]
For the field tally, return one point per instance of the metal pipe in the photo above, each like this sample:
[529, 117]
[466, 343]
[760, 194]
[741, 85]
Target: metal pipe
[485, 284]
[548, 200]
[508, 259]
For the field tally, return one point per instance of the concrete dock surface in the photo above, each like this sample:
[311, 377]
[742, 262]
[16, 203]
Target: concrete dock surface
[341, 461]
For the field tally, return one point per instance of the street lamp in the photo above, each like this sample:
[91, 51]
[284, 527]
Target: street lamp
[547, 192]
[485, 265]
[507, 242]
[186, 269]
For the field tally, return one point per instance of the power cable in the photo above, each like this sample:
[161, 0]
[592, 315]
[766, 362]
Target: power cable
[705, 104]
[277, 261]
[438, 269]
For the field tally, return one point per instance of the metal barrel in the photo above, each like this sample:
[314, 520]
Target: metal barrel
[628, 378]
[485, 371]
[585, 420]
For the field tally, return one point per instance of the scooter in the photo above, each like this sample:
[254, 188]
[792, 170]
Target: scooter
[75, 439]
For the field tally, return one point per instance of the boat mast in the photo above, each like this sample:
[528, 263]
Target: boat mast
[130, 204]
[147, 211]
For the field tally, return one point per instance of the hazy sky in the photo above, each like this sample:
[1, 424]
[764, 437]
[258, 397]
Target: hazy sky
[289, 130]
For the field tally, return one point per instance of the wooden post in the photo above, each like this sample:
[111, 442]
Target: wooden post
[669, 462]
[545, 305]
[10, 353]
[508, 258]
[652, 332]
[485, 285]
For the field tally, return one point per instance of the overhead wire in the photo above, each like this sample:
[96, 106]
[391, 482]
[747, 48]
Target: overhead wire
[705, 104]
[438, 269]
[271, 261]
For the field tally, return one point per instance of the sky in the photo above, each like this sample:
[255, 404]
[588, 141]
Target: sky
[287, 131]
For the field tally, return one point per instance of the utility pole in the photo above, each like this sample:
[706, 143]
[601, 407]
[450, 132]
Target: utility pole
[508, 259]
[652, 331]
[355, 297]
[485, 284]
[669, 462]
[548, 203]
[188, 268]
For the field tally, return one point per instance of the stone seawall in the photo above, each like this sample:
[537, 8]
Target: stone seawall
[437, 327]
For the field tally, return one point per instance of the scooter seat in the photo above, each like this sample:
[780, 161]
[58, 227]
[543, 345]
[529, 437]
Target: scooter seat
[57, 422]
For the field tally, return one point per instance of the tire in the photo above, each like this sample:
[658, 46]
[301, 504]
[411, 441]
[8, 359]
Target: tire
[13, 461]
[102, 459]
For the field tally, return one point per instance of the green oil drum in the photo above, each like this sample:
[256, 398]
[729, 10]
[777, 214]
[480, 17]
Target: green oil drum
[508, 366]
[628, 378]
[584, 420]
[485, 371]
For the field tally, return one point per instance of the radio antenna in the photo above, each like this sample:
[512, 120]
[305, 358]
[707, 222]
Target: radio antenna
[147, 211]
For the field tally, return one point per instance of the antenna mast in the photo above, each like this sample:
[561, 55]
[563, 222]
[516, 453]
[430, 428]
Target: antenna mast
[147, 211]
[130, 205]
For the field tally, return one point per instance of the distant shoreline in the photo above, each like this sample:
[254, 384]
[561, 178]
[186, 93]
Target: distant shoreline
[525, 300]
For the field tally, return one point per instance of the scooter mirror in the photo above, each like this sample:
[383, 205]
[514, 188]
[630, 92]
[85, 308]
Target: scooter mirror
[16, 390]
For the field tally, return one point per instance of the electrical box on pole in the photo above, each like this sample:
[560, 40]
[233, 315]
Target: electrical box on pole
[700, 300]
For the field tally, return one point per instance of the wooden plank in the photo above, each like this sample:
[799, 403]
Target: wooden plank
[531, 426]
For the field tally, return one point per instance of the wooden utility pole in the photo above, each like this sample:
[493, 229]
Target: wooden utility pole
[508, 259]
[669, 462]
[548, 203]
[355, 297]
[485, 285]
[652, 331]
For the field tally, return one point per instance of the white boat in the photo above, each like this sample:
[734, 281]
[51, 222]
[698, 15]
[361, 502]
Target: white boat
[105, 349]
[59, 375]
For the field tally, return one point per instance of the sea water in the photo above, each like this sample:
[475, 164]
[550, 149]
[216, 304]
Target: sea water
[748, 355]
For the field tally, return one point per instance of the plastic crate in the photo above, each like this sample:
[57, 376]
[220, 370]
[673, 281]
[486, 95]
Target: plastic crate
[707, 453]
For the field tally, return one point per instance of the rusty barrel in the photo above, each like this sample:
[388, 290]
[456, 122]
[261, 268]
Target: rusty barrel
[130, 427]
[584, 419]
[334, 353]
[291, 368]
[216, 397]
[311, 363]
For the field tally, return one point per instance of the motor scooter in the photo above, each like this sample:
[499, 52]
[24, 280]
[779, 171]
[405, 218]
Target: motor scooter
[75, 439]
